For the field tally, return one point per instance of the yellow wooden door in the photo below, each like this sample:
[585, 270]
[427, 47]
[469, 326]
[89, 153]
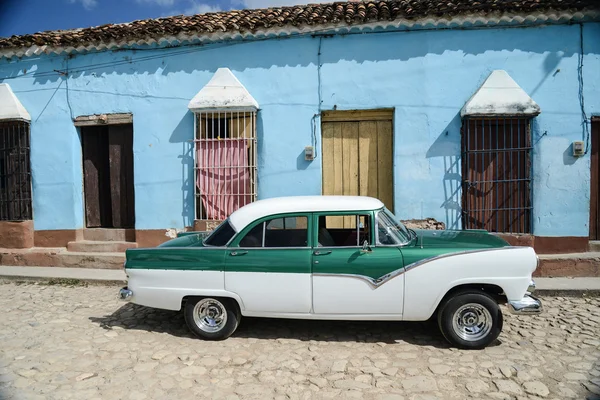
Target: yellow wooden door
[358, 154]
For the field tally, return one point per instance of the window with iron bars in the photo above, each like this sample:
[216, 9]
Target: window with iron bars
[15, 172]
[225, 163]
[496, 174]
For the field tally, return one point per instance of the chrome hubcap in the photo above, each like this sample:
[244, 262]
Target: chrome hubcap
[472, 322]
[210, 315]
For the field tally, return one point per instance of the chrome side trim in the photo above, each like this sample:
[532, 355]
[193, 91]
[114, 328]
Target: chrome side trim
[373, 282]
[458, 253]
[377, 282]
[527, 305]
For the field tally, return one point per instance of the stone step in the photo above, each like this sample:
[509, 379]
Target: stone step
[60, 257]
[96, 246]
[109, 235]
[594, 245]
[569, 265]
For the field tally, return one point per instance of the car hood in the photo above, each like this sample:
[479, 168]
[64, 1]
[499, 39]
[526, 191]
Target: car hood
[469, 239]
[187, 240]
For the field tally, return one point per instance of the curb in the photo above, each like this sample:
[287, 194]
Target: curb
[4, 279]
[567, 292]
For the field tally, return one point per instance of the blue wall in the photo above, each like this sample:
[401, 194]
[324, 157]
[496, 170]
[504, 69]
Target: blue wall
[426, 76]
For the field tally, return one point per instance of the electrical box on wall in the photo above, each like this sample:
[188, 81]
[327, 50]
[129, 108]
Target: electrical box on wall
[578, 149]
[309, 153]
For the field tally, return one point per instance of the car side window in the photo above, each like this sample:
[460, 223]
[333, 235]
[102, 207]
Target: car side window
[286, 232]
[343, 230]
[253, 238]
[278, 232]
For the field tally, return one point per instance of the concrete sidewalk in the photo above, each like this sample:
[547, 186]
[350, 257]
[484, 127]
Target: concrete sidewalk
[105, 276]
[545, 286]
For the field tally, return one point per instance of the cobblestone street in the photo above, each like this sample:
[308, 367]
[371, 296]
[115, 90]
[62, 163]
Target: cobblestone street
[60, 342]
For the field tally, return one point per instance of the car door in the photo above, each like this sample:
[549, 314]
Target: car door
[268, 265]
[349, 279]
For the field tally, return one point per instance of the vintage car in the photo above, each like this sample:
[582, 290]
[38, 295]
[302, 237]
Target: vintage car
[334, 258]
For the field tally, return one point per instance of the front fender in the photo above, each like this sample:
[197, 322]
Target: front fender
[427, 283]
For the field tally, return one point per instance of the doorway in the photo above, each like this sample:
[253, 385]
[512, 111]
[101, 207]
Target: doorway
[594, 184]
[358, 154]
[496, 174]
[108, 175]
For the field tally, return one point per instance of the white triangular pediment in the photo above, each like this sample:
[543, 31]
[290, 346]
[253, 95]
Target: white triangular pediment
[500, 95]
[10, 106]
[223, 91]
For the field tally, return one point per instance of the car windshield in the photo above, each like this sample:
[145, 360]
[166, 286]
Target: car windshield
[221, 235]
[390, 231]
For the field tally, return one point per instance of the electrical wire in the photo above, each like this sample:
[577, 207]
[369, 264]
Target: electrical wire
[66, 75]
[586, 128]
[320, 95]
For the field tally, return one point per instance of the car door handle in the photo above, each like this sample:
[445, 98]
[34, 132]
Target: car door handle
[321, 253]
[238, 253]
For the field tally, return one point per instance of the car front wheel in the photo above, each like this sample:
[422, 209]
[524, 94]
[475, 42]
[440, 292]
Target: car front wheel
[470, 320]
[212, 319]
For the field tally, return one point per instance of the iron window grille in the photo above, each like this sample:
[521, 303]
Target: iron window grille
[225, 161]
[496, 174]
[15, 171]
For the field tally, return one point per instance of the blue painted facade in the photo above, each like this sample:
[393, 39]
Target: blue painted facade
[426, 76]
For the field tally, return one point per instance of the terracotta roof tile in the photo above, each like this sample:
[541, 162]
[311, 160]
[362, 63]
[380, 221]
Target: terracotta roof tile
[353, 13]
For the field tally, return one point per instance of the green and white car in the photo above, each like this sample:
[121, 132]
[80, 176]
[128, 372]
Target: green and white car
[334, 258]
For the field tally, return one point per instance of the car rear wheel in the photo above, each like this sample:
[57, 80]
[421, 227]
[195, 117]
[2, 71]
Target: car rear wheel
[212, 318]
[470, 320]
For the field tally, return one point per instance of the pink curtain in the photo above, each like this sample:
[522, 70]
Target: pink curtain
[223, 176]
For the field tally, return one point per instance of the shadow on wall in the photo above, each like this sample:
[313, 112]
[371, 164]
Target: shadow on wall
[184, 134]
[447, 146]
[239, 56]
[568, 158]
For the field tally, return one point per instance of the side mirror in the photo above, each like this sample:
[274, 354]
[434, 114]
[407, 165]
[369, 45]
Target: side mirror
[365, 247]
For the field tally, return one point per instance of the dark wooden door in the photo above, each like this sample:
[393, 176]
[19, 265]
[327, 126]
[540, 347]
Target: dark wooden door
[496, 170]
[594, 186]
[108, 176]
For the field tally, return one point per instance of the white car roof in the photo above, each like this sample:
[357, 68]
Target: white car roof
[281, 205]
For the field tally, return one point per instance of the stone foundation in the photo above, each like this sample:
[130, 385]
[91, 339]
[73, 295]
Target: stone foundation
[16, 234]
[57, 238]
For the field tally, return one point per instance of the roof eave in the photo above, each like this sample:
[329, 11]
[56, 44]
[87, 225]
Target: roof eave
[463, 22]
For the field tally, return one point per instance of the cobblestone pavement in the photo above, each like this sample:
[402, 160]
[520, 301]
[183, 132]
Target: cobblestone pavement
[59, 342]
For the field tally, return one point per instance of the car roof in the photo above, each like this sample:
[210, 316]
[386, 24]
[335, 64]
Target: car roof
[281, 205]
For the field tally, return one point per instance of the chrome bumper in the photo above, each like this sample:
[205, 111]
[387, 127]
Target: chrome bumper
[527, 305]
[125, 294]
[531, 287]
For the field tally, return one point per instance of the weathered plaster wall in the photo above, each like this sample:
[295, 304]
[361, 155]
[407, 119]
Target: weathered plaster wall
[426, 76]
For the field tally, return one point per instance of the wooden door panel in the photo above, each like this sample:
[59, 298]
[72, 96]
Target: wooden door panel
[95, 177]
[368, 179]
[385, 164]
[358, 155]
[120, 154]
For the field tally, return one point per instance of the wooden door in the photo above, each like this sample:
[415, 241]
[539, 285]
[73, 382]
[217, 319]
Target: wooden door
[108, 176]
[120, 160]
[358, 155]
[594, 177]
[496, 174]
